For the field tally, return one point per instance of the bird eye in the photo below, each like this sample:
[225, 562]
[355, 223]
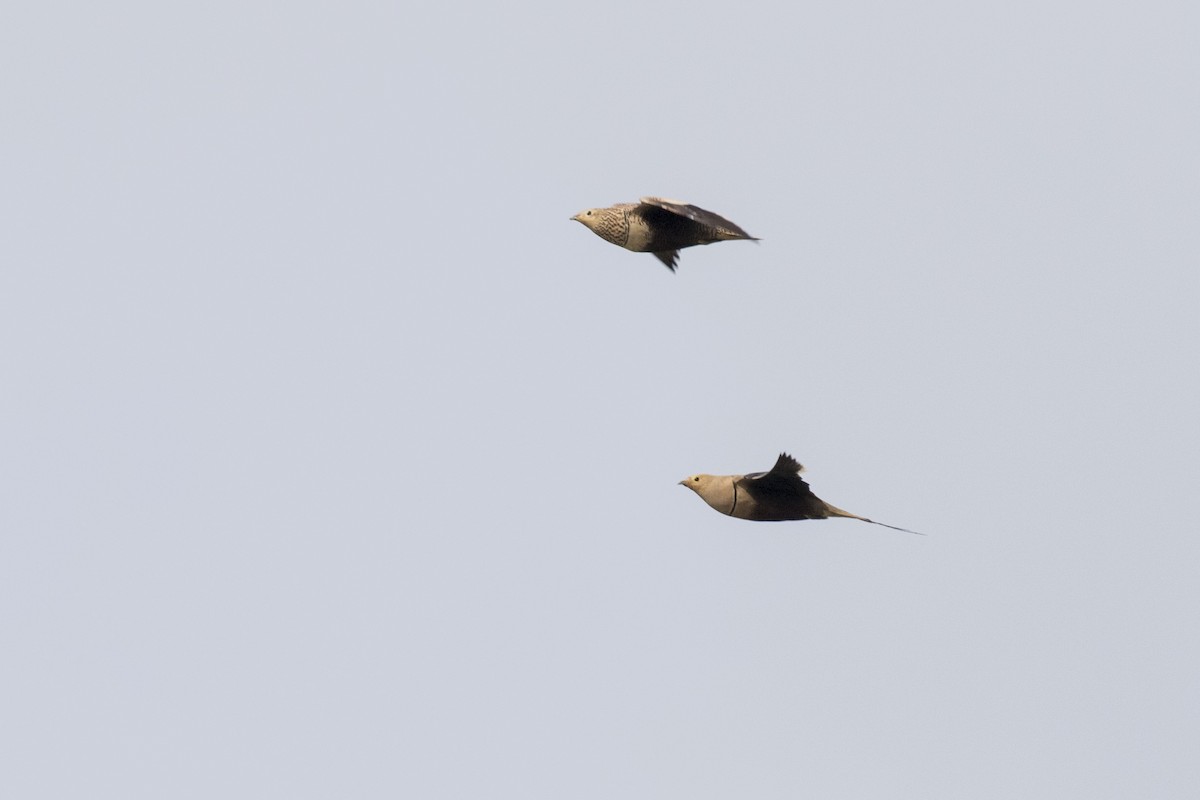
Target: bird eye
[589, 213]
[696, 479]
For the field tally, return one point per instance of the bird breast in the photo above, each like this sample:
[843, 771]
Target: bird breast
[721, 494]
[613, 226]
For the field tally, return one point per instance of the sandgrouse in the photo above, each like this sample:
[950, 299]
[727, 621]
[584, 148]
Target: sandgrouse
[659, 226]
[780, 494]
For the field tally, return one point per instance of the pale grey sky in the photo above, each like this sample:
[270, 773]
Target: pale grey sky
[338, 462]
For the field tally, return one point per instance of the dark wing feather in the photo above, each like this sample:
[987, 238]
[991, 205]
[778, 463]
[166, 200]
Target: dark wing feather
[783, 480]
[695, 214]
[781, 493]
[788, 465]
[668, 257]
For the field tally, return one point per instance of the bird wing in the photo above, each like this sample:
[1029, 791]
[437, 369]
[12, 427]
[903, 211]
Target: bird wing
[694, 213]
[668, 257]
[782, 479]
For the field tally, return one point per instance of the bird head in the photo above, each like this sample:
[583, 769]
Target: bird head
[591, 218]
[716, 490]
[697, 483]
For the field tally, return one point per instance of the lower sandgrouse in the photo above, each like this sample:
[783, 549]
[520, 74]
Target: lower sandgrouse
[659, 226]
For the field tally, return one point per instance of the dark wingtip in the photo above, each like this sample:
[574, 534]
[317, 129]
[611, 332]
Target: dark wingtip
[786, 462]
[668, 257]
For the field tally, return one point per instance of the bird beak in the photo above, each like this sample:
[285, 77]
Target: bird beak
[575, 218]
[682, 483]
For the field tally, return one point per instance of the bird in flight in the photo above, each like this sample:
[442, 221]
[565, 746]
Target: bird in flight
[659, 226]
[780, 494]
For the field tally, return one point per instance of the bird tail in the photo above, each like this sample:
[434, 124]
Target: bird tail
[834, 511]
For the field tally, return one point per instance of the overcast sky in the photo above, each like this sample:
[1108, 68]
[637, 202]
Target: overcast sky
[337, 462]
